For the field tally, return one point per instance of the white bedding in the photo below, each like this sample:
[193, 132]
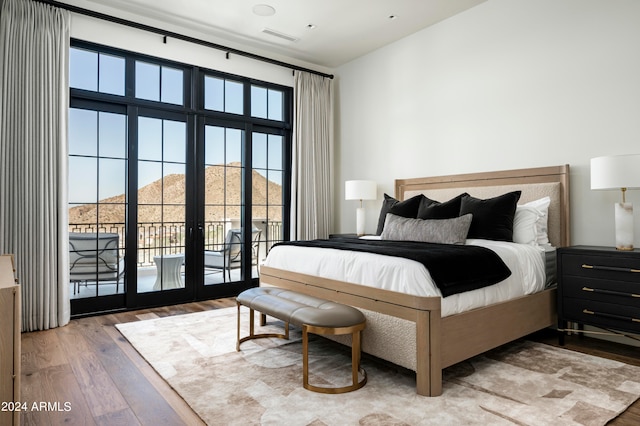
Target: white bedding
[526, 263]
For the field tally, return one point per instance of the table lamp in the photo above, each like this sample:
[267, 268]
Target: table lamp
[618, 172]
[360, 190]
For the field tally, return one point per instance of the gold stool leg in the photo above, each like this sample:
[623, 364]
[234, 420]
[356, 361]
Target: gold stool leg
[252, 334]
[355, 357]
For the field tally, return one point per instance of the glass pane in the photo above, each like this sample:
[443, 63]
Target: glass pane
[82, 217]
[275, 187]
[112, 217]
[233, 176]
[112, 135]
[83, 69]
[172, 86]
[259, 194]
[174, 138]
[149, 216]
[149, 182]
[147, 81]
[234, 146]
[173, 185]
[112, 180]
[83, 132]
[213, 93]
[83, 180]
[214, 189]
[111, 74]
[258, 102]
[259, 151]
[275, 152]
[233, 97]
[149, 139]
[275, 105]
[214, 145]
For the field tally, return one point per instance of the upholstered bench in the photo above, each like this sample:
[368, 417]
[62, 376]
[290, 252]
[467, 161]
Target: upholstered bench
[313, 315]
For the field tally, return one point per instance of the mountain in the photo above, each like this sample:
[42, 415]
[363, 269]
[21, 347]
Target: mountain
[222, 199]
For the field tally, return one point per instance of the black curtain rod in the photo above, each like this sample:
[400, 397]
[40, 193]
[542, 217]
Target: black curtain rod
[183, 37]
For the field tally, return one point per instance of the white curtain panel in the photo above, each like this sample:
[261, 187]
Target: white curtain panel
[312, 171]
[34, 52]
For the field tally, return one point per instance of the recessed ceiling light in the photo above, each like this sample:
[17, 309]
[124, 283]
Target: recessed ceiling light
[264, 10]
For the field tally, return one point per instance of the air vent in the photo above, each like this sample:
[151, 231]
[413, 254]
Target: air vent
[279, 35]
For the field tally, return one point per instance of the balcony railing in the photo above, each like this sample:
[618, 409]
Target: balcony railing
[156, 239]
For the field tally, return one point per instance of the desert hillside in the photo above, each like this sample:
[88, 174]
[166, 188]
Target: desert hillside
[222, 199]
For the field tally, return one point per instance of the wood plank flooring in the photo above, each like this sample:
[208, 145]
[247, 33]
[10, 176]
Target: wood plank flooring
[104, 381]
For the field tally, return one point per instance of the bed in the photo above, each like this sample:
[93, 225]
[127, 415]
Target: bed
[410, 330]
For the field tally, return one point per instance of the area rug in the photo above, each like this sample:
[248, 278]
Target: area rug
[522, 383]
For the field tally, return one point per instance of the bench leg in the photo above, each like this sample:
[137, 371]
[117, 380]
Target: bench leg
[252, 334]
[355, 357]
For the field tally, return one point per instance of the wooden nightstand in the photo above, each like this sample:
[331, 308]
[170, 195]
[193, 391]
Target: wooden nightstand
[599, 286]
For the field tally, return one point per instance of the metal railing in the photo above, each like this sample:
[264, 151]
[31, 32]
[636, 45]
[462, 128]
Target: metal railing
[161, 238]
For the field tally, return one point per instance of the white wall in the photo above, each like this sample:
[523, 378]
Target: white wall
[507, 84]
[127, 38]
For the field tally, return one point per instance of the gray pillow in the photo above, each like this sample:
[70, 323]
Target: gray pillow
[443, 231]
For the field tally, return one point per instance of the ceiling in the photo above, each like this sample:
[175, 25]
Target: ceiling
[327, 33]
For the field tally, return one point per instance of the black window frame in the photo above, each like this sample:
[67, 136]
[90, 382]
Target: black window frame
[198, 116]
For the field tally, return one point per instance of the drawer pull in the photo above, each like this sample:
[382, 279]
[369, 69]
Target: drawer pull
[609, 292]
[607, 315]
[609, 268]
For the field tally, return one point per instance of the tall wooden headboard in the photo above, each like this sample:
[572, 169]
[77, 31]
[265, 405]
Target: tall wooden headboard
[534, 183]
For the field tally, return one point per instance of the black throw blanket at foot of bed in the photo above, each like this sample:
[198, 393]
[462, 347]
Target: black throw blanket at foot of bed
[453, 268]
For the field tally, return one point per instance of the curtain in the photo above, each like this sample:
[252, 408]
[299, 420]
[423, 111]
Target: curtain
[34, 50]
[312, 171]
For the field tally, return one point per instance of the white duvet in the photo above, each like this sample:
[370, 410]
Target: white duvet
[526, 263]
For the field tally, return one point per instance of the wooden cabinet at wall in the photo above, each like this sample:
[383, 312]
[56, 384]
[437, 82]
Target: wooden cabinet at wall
[9, 342]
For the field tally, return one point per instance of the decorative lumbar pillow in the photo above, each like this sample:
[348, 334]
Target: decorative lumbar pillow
[443, 231]
[493, 217]
[432, 209]
[406, 208]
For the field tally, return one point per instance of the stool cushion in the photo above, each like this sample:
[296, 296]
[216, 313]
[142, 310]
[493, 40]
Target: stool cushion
[300, 309]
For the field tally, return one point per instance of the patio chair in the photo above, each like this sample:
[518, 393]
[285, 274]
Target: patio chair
[230, 257]
[94, 257]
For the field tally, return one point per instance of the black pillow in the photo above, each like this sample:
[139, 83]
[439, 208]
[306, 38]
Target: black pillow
[432, 209]
[493, 217]
[406, 208]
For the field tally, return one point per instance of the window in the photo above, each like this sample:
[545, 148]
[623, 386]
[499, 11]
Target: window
[159, 83]
[98, 72]
[168, 160]
[267, 103]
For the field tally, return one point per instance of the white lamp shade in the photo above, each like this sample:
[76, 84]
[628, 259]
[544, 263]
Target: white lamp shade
[360, 190]
[615, 172]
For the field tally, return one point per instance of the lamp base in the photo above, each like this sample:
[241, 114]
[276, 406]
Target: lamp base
[360, 221]
[624, 226]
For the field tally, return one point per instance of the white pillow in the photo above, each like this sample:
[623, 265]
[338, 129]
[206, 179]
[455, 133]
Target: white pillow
[530, 222]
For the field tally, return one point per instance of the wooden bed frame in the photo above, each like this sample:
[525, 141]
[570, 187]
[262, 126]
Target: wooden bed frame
[442, 342]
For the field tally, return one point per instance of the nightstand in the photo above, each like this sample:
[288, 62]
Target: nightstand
[599, 286]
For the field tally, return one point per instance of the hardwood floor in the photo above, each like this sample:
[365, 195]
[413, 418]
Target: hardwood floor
[90, 375]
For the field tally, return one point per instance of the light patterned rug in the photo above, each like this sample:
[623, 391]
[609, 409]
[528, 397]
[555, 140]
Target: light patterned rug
[523, 383]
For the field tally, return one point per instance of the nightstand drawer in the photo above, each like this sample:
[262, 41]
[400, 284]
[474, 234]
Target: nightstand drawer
[623, 292]
[617, 268]
[608, 315]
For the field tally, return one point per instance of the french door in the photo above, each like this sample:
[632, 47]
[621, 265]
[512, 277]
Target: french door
[177, 179]
[179, 209]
